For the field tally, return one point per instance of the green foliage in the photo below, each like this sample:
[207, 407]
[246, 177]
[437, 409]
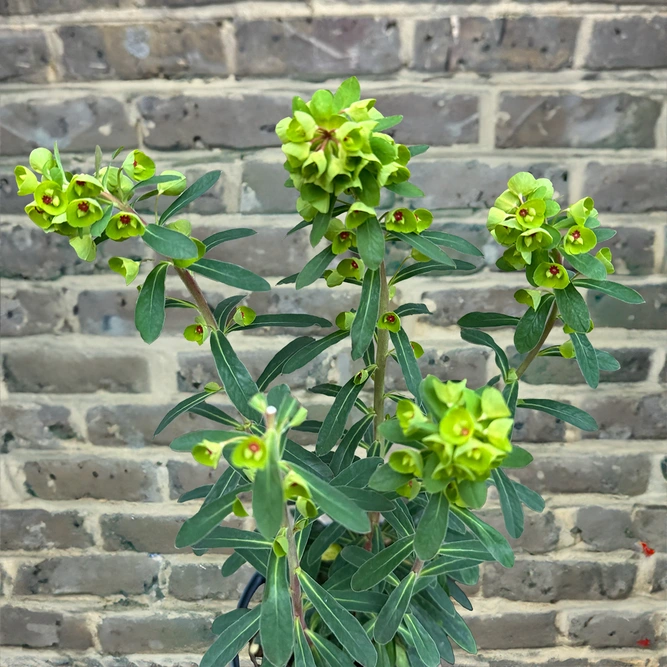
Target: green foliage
[361, 548]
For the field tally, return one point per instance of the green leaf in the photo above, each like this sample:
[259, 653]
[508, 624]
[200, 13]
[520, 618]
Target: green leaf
[370, 243]
[363, 326]
[231, 565]
[607, 362]
[615, 290]
[588, 265]
[447, 565]
[308, 352]
[334, 503]
[330, 389]
[213, 413]
[154, 180]
[452, 241]
[303, 656]
[400, 519]
[381, 565]
[173, 302]
[195, 494]
[418, 149]
[228, 235]
[457, 629]
[197, 527]
[572, 308]
[426, 648]
[321, 223]
[405, 189]
[332, 655]
[529, 498]
[347, 93]
[603, 234]
[197, 189]
[184, 406]
[227, 646]
[296, 320]
[267, 496]
[531, 326]
[481, 338]
[275, 367]
[314, 268]
[276, 619]
[478, 320]
[407, 361]
[98, 161]
[509, 503]
[185, 443]
[169, 243]
[226, 483]
[407, 309]
[586, 359]
[391, 616]
[563, 411]
[426, 247]
[238, 384]
[427, 614]
[334, 423]
[149, 312]
[323, 541]
[386, 479]
[295, 453]
[496, 544]
[226, 537]
[420, 268]
[224, 309]
[369, 501]
[359, 473]
[221, 623]
[387, 122]
[230, 274]
[361, 601]
[517, 458]
[344, 453]
[432, 527]
[346, 628]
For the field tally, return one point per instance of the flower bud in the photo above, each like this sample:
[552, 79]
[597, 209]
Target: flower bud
[175, 187]
[139, 166]
[244, 316]
[208, 453]
[127, 268]
[26, 181]
[390, 321]
[40, 158]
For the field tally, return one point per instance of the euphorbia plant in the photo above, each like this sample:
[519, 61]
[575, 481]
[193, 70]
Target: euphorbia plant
[365, 537]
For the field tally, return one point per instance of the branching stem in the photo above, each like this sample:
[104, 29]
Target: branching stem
[545, 334]
[381, 357]
[293, 563]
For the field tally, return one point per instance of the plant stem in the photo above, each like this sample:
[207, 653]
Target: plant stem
[293, 562]
[381, 357]
[545, 334]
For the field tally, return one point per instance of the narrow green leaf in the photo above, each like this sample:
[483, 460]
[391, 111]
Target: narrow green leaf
[363, 326]
[323, 541]
[225, 308]
[332, 655]
[418, 149]
[230, 274]
[407, 361]
[185, 443]
[227, 646]
[370, 243]
[154, 180]
[407, 309]
[149, 312]
[615, 290]
[482, 338]
[587, 265]
[573, 308]
[195, 494]
[347, 93]
[517, 458]
[362, 601]
[606, 361]
[172, 302]
[232, 564]
[197, 189]
[267, 497]
[184, 406]
[276, 619]
[452, 241]
[169, 242]
[334, 423]
[212, 412]
[380, 566]
[426, 648]
[98, 161]
[275, 367]
[229, 481]
[221, 623]
[405, 189]
[496, 544]
[226, 537]
[303, 656]
[457, 629]
[344, 453]
[428, 613]
[478, 320]
[509, 503]
[531, 499]
[586, 359]
[421, 268]
[386, 479]
[568, 413]
[387, 122]
[295, 320]
[367, 500]
[359, 473]
[531, 326]
[227, 235]
[603, 234]
[314, 268]
[321, 223]
[330, 389]
[391, 616]
[295, 453]
[400, 519]
[426, 247]
[313, 349]
[344, 626]
[432, 527]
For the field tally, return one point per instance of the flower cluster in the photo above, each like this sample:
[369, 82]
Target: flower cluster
[454, 447]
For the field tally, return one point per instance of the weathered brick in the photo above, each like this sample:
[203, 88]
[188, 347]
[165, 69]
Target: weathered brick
[159, 632]
[650, 526]
[203, 581]
[168, 49]
[145, 533]
[541, 531]
[659, 578]
[535, 426]
[37, 309]
[24, 56]
[583, 473]
[61, 369]
[609, 628]
[532, 629]
[526, 43]
[633, 251]
[604, 528]
[550, 581]
[474, 184]
[263, 190]
[43, 629]
[36, 529]
[77, 124]
[626, 416]
[632, 42]
[637, 187]
[92, 575]
[574, 121]
[609, 312]
[34, 426]
[451, 303]
[76, 477]
[185, 476]
[317, 48]
[22, 7]
[192, 3]
[180, 122]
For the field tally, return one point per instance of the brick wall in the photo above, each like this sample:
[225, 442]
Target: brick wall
[575, 91]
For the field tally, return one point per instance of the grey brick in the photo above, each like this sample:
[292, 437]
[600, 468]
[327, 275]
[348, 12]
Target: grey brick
[180, 122]
[632, 42]
[541, 531]
[659, 578]
[36, 529]
[141, 51]
[608, 312]
[77, 477]
[122, 634]
[633, 251]
[545, 581]
[263, 190]
[77, 124]
[610, 628]
[532, 629]
[145, 533]
[534, 426]
[185, 476]
[34, 426]
[24, 56]
[23, 7]
[92, 575]
[650, 526]
[605, 528]
[203, 581]
[317, 48]
[68, 370]
[637, 187]
[37, 309]
[574, 121]
[582, 473]
[451, 303]
[192, 3]
[526, 43]
[43, 629]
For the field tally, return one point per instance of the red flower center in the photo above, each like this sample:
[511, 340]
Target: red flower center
[523, 212]
[125, 219]
[81, 183]
[398, 216]
[83, 206]
[47, 200]
[344, 236]
[199, 329]
[554, 270]
[391, 319]
[465, 431]
[576, 234]
[135, 163]
[254, 447]
[354, 265]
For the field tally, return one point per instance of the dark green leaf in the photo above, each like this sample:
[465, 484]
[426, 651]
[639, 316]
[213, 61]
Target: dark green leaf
[458, 594]
[361, 601]
[296, 320]
[386, 479]
[369, 501]
[370, 243]
[194, 494]
[529, 498]
[426, 247]
[420, 268]
[232, 564]
[229, 643]
[509, 503]
[332, 655]
[615, 290]
[359, 473]
[531, 327]
[226, 537]
[197, 189]
[481, 338]
[496, 544]
[407, 309]
[587, 265]
[426, 648]
[452, 241]
[303, 656]
[276, 619]
[603, 234]
[225, 308]
[478, 320]
[568, 413]
[154, 180]
[169, 242]
[418, 149]
[212, 412]
[149, 312]
[344, 453]
[323, 541]
[391, 616]
[347, 93]
[405, 189]
[226, 483]
[407, 361]
[363, 326]
[572, 308]
[172, 302]
[428, 613]
[221, 623]
[432, 527]
[517, 458]
[267, 497]
[586, 359]
[451, 566]
[387, 122]
[400, 519]
[230, 274]
[330, 389]
[295, 453]
[457, 629]
[185, 443]
[275, 367]
[184, 406]
[228, 235]
[334, 423]
[606, 361]
[473, 493]
[314, 268]
[380, 566]
[321, 222]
